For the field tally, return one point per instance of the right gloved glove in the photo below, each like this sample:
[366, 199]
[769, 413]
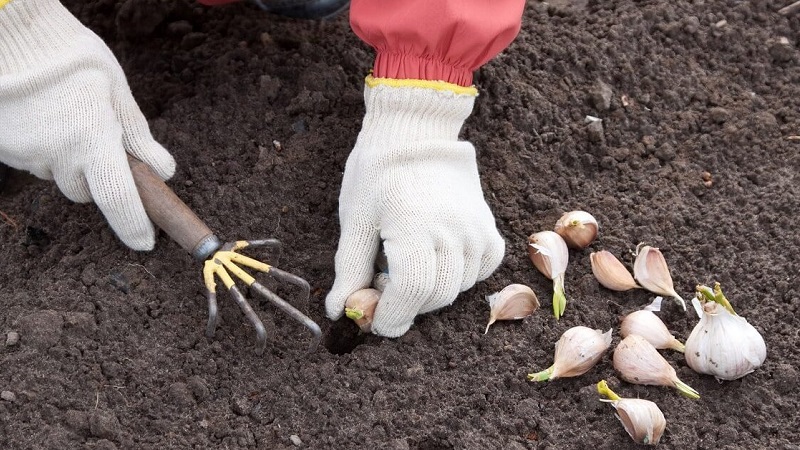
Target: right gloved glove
[67, 114]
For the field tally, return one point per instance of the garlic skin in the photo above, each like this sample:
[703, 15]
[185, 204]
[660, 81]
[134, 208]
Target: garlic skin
[649, 326]
[724, 344]
[578, 228]
[360, 307]
[550, 255]
[638, 362]
[610, 272]
[577, 351]
[513, 302]
[642, 419]
[651, 271]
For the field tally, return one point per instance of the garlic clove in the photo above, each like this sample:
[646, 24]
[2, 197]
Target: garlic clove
[651, 271]
[610, 272]
[642, 419]
[649, 326]
[513, 302]
[578, 228]
[638, 362]
[360, 307]
[550, 255]
[577, 351]
[722, 343]
[380, 280]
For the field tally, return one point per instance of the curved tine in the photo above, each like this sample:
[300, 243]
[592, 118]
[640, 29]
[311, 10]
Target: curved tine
[211, 327]
[282, 275]
[293, 312]
[261, 333]
[265, 243]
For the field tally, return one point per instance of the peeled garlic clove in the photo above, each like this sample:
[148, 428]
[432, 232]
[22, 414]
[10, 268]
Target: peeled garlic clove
[550, 255]
[651, 271]
[513, 302]
[578, 228]
[638, 362]
[610, 272]
[577, 351]
[647, 325]
[360, 307]
[642, 419]
[723, 344]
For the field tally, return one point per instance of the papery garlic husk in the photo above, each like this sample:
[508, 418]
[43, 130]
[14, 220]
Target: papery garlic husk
[652, 273]
[578, 228]
[638, 362]
[513, 302]
[649, 326]
[610, 272]
[642, 419]
[724, 344]
[577, 351]
[550, 255]
[360, 307]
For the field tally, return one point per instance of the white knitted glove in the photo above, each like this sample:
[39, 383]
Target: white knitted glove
[67, 113]
[410, 183]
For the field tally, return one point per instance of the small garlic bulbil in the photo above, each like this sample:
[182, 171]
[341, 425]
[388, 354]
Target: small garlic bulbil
[513, 302]
[550, 255]
[723, 344]
[638, 362]
[360, 307]
[578, 228]
[651, 271]
[647, 325]
[577, 351]
[642, 419]
[610, 272]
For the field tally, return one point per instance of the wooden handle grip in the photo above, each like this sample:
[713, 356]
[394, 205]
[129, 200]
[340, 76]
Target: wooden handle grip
[171, 214]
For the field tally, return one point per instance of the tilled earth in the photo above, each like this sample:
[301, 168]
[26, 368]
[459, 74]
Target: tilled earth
[111, 350]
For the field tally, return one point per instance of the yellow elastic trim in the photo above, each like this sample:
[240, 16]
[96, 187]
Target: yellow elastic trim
[425, 84]
[4, 3]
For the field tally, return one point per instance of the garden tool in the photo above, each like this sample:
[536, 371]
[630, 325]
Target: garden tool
[222, 261]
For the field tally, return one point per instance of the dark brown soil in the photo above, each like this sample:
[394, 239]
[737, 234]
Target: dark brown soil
[112, 352]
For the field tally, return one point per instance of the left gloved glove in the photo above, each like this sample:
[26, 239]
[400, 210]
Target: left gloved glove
[410, 183]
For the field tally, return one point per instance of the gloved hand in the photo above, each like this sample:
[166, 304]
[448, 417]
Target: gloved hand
[410, 183]
[67, 114]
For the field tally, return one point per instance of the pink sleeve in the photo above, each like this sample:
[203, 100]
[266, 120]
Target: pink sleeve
[441, 40]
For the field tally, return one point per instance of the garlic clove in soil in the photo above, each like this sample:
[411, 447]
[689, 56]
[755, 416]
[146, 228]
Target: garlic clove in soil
[642, 419]
[610, 272]
[651, 271]
[638, 362]
[577, 351]
[723, 344]
[513, 302]
[578, 228]
[550, 255]
[648, 325]
[360, 307]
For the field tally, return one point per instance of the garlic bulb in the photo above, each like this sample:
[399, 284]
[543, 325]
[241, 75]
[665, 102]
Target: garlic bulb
[577, 351]
[647, 325]
[723, 344]
[515, 301]
[360, 307]
[578, 228]
[638, 362]
[610, 272]
[549, 253]
[651, 271]
[642, 419]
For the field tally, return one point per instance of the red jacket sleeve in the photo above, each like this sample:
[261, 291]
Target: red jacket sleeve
[440, 40]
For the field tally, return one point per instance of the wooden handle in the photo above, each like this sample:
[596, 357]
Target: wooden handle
[170, 213]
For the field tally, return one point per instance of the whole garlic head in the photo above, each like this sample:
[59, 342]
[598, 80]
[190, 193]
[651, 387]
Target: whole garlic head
[723, 344]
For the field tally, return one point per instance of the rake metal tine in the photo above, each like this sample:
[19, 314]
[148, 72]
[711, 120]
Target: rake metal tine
[282, 275]
[261, 333]
[291, 311]
[211, 327]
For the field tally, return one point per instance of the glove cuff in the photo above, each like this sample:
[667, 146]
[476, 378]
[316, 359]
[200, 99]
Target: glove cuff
[414, 110]
[34, 30]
